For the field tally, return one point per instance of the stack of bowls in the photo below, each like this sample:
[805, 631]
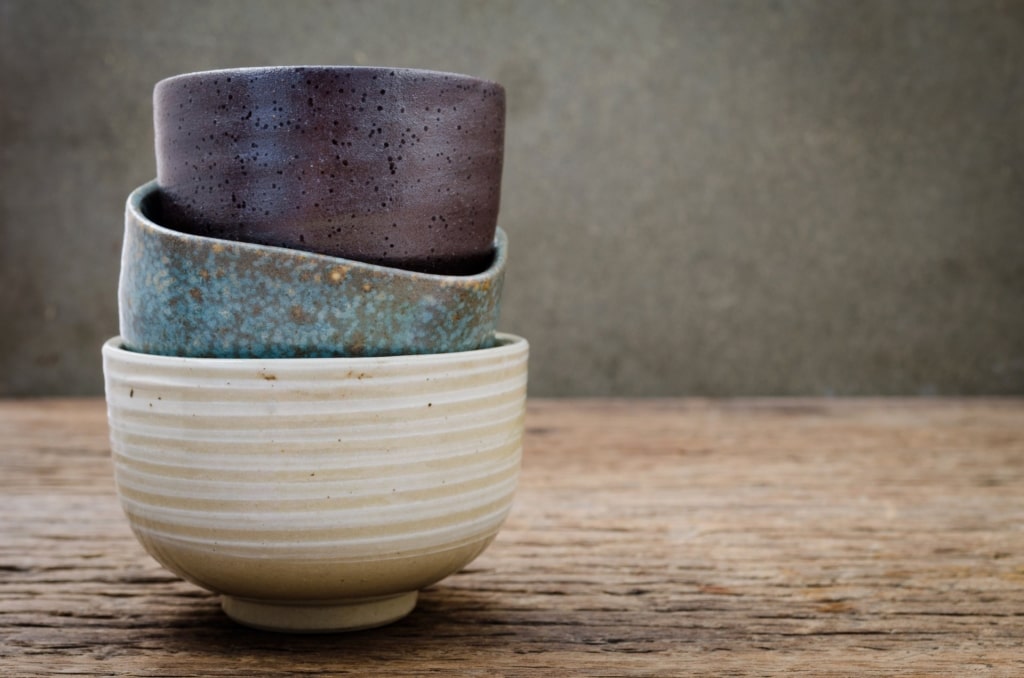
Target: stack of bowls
[311, 410]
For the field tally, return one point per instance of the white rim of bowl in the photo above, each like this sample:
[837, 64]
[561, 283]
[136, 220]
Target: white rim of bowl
[506, 344]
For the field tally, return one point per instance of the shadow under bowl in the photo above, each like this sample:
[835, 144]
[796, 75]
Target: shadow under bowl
[321, 494]
[187, 295]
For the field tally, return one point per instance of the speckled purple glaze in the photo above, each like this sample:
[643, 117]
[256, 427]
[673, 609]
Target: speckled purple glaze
[189, 295]
[392, 166]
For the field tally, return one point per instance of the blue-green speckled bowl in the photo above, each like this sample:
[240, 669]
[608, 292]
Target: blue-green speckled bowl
[189, 295]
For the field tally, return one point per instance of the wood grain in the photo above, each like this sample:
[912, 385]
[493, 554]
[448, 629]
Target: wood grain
[736, 538]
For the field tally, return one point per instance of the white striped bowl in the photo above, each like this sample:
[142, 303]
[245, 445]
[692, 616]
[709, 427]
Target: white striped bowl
[317, 494]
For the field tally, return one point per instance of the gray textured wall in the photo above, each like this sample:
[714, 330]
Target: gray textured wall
[702, 197]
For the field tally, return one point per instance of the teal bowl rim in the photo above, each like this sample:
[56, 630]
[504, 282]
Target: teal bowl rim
[136, 207]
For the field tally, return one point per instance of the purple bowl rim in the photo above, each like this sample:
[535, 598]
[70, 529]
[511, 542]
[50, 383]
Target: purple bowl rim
[259, 70]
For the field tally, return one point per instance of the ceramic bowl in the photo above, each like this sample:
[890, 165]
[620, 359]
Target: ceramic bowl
[316, 494]
[392, 166]
[189, 295]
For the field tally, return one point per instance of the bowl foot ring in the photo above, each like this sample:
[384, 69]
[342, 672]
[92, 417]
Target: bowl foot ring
[319, 617]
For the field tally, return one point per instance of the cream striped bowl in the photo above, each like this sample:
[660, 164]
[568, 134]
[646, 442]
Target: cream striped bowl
[317, 494]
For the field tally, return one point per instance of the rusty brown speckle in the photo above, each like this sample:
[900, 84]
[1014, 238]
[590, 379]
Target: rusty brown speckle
[358, 344]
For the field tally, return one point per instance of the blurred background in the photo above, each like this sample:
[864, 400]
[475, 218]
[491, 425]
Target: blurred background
[703, 198]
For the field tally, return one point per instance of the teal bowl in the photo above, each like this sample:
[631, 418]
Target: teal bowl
[195, 296]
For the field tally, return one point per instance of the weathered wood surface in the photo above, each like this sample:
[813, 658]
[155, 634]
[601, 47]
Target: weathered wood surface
[775, 537]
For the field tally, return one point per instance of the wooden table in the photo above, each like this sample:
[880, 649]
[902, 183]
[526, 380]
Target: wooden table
[737, 537]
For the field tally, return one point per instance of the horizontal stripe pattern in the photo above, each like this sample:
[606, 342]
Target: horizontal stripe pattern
[333, 459]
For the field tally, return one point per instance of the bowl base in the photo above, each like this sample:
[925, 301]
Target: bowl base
[319, 617]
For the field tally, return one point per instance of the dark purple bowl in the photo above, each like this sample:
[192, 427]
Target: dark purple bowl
[389, 166]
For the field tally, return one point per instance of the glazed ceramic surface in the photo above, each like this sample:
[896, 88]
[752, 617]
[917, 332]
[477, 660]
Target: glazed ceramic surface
[387, 165]
[317, 494]
[188, 295]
